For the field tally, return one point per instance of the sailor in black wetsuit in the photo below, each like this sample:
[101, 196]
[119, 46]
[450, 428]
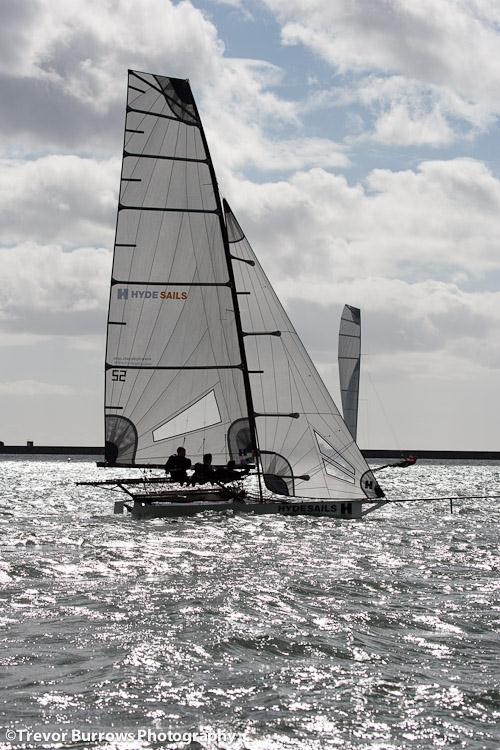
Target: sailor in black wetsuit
[204, 472]
[178, 465]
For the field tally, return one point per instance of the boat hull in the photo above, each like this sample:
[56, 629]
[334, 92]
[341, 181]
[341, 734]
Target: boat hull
[332, 509]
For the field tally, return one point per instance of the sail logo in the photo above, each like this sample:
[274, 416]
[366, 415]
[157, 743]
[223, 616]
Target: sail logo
[125, 293]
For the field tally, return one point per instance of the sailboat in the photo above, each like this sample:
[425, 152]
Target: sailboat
[349, 356]
[200, 352]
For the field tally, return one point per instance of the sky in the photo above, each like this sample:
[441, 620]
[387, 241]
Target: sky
[356, 141]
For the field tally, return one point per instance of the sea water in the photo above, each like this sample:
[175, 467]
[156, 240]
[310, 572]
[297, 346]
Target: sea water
[263, 633]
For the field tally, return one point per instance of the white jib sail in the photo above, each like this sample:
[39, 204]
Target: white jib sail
[300, 430]
[174, 372]
[349, 355]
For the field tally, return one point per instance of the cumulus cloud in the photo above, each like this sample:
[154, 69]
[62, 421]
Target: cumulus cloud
[58, 198]
[69, 66]
[436, 221]
[413, 249]
[438, 60]
[47, 291]
[67, 61]
[248, 125]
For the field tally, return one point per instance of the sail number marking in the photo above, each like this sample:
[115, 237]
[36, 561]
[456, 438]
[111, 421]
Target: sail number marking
[118, 375]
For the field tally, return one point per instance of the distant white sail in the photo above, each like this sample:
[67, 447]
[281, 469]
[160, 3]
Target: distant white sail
[174, 359]
[300, 430]
[349, 355]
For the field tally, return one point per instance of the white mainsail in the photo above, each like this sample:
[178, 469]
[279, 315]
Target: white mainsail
[175, 370]
[300, 430]
[349, 355]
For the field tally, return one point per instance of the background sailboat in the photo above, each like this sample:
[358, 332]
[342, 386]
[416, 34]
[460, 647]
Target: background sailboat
[349, 357]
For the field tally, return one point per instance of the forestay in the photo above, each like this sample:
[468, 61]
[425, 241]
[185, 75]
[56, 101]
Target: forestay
[300, 431]
[349, 354]
[174, 372]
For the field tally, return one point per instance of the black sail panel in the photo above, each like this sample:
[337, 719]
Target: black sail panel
[174, 373]
[296, 418]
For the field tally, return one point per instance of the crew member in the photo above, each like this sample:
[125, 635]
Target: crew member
[204, 472]
[177, 466]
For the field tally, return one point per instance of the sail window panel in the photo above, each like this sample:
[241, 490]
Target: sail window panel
[337, 472]
[201, 414]
[121, 438]
[166, 184]
[152, 398]
[277, 474]
[178, 94]
[170, 326]
[175, 247]
[157, 95]
[160, 137]
[332, 455]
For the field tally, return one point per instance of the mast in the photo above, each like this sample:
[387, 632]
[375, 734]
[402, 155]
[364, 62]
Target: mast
[234, 296]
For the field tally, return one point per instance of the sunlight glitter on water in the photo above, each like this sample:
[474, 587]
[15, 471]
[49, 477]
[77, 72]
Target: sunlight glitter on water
[288, 632]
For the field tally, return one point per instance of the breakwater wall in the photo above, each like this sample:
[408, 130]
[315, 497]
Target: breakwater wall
[79, 450]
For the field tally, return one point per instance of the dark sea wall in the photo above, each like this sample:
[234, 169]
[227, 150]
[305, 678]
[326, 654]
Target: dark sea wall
[60, 450]
[79, 450]
[473, 455]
